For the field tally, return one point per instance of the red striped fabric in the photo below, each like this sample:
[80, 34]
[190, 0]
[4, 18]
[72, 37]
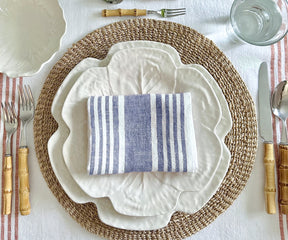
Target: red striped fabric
[279, 72]
[8, 92]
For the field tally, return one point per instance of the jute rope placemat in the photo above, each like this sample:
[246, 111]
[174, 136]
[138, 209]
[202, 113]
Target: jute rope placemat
[193, 48]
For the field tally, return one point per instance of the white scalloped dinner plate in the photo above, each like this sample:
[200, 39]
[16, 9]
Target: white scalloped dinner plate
[139, 72]
[30, 34]
[105, 209]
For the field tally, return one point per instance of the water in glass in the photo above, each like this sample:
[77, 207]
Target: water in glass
[257, 20]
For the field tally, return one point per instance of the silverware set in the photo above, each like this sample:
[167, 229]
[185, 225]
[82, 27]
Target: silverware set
[26, 113]
[278, 105]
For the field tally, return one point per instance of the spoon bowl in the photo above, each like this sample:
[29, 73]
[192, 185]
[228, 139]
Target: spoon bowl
[279, 106]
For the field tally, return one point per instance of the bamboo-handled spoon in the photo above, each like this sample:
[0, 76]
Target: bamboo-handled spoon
[279, 106]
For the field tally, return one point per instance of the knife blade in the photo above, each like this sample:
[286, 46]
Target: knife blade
[266, 133]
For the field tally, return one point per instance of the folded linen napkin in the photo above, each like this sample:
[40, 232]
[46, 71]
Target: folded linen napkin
[141, 133]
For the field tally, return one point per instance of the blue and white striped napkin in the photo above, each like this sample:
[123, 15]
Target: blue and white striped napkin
[141, 133]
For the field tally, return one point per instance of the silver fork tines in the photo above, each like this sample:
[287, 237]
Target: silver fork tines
[10, 123]
[168, 12]
[9, 112]
[26, 101]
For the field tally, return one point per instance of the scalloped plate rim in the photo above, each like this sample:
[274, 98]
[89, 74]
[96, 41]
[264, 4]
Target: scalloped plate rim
[14, 74]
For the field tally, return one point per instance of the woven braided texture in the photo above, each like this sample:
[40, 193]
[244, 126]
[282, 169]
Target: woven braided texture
[193, 48]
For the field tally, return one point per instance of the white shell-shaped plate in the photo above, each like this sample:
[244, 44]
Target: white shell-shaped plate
[132, 72]
[192, 200]
[30, 34]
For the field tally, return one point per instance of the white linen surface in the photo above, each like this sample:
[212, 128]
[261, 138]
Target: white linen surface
[246, 218]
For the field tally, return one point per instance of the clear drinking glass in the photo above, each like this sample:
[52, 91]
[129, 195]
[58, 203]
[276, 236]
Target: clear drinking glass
[259, 22]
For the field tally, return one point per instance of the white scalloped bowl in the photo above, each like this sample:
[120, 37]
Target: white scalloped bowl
[30, 35]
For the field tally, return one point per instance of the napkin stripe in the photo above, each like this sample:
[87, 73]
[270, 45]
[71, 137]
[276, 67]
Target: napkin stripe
[104, 134]
[159, 133]
[179, 133]
[165, 162]
[154, 147]
[133, 135]
[122, 142]
[115, 134]
[183, 133]
[100, 135]
[107, 116]
[168, 147]
[93, 130]
[111, 134]
[175, 132]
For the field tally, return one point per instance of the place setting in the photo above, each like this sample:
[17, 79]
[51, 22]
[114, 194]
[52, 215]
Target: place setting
[141, 199]
[104, 184]
[144, 127]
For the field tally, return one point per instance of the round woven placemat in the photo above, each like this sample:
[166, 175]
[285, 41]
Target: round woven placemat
[193, 48]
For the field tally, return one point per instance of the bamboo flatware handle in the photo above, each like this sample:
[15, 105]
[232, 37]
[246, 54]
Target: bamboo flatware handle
[283, 178]
[7, 201]
[24, 190]
[270, 186]
[123, 12]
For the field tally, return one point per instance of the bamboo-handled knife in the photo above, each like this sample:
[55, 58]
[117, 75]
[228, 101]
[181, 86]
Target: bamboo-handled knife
[266, 133]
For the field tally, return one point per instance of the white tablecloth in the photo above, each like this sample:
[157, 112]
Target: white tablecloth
[246, 218]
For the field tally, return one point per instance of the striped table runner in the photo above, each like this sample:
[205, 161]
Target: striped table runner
[279, 72]
[8, 92]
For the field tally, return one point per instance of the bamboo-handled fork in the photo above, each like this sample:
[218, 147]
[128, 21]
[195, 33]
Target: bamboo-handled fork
[26, 114]
[10, 124]
[143, 12]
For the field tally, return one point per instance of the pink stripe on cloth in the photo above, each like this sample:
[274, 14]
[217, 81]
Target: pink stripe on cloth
[2, 176]
[7, 93]
[3, 218]
[285, 77]
[272, 74]
[278, 69]
[17, 164]
[10, 223]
